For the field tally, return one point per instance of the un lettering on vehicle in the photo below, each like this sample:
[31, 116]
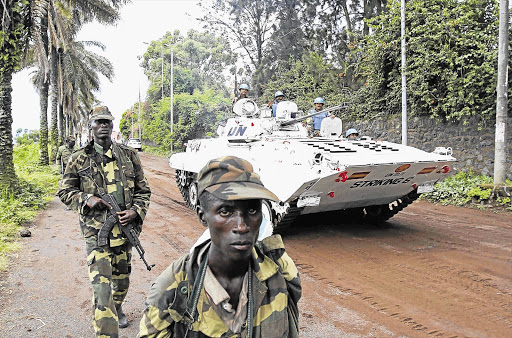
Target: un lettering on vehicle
[237, 131]
[381, 182]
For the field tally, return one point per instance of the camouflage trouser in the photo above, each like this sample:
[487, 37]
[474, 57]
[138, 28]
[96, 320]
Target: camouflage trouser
[109, 272]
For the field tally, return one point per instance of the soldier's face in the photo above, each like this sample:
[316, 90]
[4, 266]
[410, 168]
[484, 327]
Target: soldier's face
[319, 106]
[234, 227]
[101, 128]
[71, 144]
[243, 92]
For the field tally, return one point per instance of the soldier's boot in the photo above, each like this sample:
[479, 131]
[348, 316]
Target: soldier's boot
[123, 320]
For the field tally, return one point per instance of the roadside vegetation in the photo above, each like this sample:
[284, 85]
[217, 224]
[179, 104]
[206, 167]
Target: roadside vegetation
[35, 188]
[470, 189]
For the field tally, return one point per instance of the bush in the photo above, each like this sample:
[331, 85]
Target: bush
[460, 189]
[35, 188]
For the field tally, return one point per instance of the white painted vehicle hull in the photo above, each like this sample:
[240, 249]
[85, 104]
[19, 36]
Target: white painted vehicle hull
[324, 174]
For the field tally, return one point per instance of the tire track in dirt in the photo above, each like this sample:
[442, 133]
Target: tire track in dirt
[441, 279]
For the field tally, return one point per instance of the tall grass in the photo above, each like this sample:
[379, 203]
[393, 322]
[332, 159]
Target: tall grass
[36, 187]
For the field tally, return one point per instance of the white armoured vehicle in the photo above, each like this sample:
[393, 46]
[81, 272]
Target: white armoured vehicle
[375, 179]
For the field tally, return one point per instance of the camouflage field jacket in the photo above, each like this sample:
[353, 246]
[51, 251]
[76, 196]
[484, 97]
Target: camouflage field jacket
[75, 190]
[63, 154]
[276, 291]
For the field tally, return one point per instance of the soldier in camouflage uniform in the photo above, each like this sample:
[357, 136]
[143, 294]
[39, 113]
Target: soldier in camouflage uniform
[64, 152]
[231, 285]
[117, 170]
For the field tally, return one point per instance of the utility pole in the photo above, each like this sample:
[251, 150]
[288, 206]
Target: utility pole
[500, 155]
[404, 82]
[162, 54]
[131, 135]
[140, 118]
[172, 96]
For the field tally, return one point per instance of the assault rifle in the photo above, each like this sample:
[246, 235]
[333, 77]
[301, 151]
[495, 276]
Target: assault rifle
[112, 218]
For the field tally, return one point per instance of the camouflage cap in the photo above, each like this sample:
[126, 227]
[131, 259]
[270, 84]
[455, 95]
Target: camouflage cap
[232, 178]
[101, 113]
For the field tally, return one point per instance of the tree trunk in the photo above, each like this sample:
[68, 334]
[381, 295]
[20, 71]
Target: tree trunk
[7, 172]
[62, 128]
[54, 131]
[366, 15]
[43, 98]
[346, 13]
[43, 124]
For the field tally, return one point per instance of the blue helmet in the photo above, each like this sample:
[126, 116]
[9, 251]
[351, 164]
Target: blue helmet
[243, 86]
[319, 100]
[351, 131]
[278, 93]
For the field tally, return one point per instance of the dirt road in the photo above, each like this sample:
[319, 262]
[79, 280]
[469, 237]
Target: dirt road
[430, 271]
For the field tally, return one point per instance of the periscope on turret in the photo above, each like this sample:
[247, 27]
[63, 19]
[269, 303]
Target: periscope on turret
[372, 179]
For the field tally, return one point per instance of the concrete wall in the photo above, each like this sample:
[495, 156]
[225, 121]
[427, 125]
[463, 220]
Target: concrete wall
[472, 145]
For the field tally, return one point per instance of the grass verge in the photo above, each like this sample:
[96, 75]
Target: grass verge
[36, 187]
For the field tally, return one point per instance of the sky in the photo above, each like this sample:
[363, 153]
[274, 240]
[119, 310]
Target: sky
[141, 21]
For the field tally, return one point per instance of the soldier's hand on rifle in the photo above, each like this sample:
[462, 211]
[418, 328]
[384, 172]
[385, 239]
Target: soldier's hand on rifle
[98, 203]
[126, 216]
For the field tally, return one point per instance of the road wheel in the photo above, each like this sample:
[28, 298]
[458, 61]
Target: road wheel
[377, 213]
[192, 196]
[181, 177]
[181, 182]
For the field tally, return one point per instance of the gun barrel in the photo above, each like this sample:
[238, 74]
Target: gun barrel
[302, 118]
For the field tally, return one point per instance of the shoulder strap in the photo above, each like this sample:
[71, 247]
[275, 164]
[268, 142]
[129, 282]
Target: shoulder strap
[191, 312]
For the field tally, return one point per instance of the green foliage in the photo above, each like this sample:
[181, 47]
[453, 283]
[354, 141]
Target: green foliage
[14, 33]
[505, 202]
[156, 151]
[460, 189]
[36, 187]
[199, 63]
[26, 137]
[8, 242]
[479, 193]
[451, 59]
[308, 78]
[195, 116]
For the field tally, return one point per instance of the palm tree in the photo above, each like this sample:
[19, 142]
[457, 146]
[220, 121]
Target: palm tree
[57, 22]
[15, 24]
[79, 80]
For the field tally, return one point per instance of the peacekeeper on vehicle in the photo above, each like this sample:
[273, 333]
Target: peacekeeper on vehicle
[117, 170]
[64, 152]
[315, 122]
[352, 134]
[331, 126]
[278, 97]
[244, 92]
[230, 285]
